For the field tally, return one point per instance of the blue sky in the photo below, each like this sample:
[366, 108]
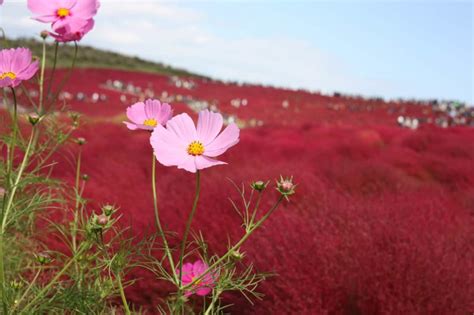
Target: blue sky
[392, 49]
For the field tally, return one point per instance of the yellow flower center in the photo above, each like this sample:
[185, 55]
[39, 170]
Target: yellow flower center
[9, 75]
[150, 122]
[196, 148]
[63, 12]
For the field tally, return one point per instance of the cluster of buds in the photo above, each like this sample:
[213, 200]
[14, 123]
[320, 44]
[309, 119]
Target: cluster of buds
[286, 187]
[16, 284]
[101, 222]
[75, 118]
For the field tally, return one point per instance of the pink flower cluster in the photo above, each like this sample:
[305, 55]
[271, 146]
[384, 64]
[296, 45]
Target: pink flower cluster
[177, 141]
[70, 19]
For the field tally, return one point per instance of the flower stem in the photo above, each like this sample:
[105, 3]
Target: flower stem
[122, 295]
[51, 76]
[41, 83]
[188, 224]
[157, 219]
[68, 76]
[75, 223]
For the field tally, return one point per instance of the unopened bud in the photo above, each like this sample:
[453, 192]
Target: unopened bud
[43, 258]
[81, 141]
[237, 255]
[102, 219]
[108, 210]
[85, 177]
[259, 185]
[34, 118]
[15, 284]
[2, 192]
[286, 187]
[44, 34]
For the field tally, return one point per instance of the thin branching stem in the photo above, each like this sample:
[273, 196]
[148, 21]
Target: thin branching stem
[239, 243]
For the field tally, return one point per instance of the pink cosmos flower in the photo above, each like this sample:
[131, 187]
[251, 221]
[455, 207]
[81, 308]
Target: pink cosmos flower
[191, 272]
[61, 12]
[71, 19]
[181, 144]
[16, 66]
[147, 115]
[73, 32]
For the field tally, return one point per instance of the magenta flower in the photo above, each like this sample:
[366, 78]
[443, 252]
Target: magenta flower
[16, 66]
[147, 115]
[181, 144]
[191, 272]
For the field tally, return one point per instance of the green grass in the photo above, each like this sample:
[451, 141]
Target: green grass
[89, 57]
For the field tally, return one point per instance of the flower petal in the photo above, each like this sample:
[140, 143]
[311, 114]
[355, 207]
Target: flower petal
[202, 291]
[208, 126]
[136, 113]
[203, 162]
[169, 149]
[183, 126]
[228, 138]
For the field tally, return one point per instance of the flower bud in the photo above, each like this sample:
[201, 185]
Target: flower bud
[81, 141]
[102, 219]
[108, 210]
[237, 255]
[85, 177]
[286, 187]
[15, 284]
[2, 192]
[259, 185]
[34, 118]
[44, 34]
[43, 258]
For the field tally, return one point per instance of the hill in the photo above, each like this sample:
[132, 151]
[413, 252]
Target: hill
[90, 57]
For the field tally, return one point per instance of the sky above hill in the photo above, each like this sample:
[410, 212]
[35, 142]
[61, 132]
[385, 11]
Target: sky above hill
[421, 49]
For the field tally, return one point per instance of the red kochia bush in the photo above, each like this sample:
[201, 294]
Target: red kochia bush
[382, 222]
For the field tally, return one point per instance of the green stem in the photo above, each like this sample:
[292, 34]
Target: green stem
[157, 219]
[122, 295]
[12, 145]
[51, 76]
[41, 83]
[14, 188]
[188, 225]
[76, 209]
[68, 76]
[237, 246]
[2, 276]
